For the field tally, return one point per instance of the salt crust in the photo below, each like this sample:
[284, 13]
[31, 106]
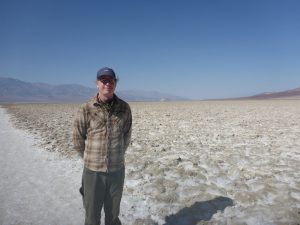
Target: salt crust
[184, 153]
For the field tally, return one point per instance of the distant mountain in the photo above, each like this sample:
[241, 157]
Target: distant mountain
[288, 94]
[139, 95]
[13, 90]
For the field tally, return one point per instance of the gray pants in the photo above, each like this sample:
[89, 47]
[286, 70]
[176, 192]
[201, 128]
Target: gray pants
[100, 189]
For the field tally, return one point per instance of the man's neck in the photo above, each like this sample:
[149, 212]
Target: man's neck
[105, 99]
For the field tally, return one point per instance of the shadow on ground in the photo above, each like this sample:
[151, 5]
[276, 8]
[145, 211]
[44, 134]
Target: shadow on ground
[198, 211]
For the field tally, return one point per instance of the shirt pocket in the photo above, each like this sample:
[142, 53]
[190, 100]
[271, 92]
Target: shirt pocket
[97, 120]
[117, 120]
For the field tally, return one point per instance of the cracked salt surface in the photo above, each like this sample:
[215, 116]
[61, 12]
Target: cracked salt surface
[199, 158]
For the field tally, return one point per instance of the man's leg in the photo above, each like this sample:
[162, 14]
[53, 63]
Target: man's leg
[115, 183]
[93, 196]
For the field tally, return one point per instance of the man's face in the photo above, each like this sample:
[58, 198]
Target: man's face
[107, 85]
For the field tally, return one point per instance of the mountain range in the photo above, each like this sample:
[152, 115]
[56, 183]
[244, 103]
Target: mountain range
[14, 90]
[288, 94]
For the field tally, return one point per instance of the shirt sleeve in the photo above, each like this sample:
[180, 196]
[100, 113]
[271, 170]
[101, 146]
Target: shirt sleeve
[80, 131]
[128, 129]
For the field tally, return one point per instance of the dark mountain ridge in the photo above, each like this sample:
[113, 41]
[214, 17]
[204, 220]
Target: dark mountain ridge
[292, 93]
[14, 90]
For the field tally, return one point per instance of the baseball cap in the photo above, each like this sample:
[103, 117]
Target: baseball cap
[106, 71]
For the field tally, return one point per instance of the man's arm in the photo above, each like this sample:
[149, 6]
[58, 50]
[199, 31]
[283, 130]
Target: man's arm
[79, 131]
[128, 129]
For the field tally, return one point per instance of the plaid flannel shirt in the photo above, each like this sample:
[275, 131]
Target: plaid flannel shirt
[102, 135]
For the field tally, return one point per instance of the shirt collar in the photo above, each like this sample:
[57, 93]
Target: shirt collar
[97, 102]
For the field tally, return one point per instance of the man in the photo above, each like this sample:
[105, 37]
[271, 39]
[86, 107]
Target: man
[102, 132]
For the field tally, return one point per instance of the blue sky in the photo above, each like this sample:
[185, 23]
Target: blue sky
[192, 48]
